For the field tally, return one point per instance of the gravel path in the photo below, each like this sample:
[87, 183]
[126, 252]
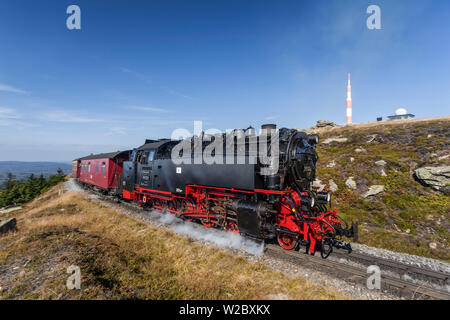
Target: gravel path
[409, 259]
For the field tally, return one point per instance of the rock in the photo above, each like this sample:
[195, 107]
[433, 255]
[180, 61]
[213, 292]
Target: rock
[383, 173]
[337, 139]
[373, 191]
[318, 184]
[333, 186]
[408, 230]
[444, 157]
[360, 150]
[350, 183]
[352, 159]
[433, 245]
[324, 124]
[380, 163]
[7, 225]
[9, 209]
[332, 164]
[370, 138]
[437, 178]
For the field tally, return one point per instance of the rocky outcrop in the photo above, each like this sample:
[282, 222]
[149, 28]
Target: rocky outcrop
[333, 186]
[350, 183]
[7, 225]
[337, 139]
[373, 191]
[324, 124]
[332, 164]
[380, 163]
[437, 178]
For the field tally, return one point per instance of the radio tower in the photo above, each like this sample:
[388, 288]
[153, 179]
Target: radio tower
[349, 101]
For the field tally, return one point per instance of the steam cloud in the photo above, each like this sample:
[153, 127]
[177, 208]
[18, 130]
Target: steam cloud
[216, 237]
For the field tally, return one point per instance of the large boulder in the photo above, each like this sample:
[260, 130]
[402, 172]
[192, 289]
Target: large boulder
[437, 178]
[373, 191]
[7, 225]
[324, 124]
[336, 139]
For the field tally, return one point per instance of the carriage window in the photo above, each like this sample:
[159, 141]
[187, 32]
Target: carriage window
[89, 167]
[103, 167]
[97, 165]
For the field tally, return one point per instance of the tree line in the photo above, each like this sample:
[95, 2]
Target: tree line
[17, 192]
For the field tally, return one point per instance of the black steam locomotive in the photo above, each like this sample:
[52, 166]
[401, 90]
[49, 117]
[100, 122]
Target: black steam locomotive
[254, 184]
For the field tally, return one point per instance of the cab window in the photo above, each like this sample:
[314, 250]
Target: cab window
[103, 168]
[151, 155]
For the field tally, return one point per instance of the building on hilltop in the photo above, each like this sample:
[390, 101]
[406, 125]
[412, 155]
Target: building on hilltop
[401, 114]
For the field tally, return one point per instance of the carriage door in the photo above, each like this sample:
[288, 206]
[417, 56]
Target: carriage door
[145, 165]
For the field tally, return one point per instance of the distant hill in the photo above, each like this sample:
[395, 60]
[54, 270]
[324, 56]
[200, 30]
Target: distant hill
[21, 169]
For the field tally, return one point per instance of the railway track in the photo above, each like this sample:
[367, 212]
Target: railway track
[403, 271]
[394, 282]
[396, 286]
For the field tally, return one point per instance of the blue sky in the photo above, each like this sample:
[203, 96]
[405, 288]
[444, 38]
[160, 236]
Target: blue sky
[141, 69]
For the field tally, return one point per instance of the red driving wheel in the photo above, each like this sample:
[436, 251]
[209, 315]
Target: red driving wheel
[232, 227]
[287, 242]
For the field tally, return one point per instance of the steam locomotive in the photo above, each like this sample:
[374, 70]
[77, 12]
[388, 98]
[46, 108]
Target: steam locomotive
[241, 191]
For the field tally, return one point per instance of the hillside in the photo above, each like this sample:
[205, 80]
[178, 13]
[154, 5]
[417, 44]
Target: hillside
[405, 216]
[21, 169]
[122, 258]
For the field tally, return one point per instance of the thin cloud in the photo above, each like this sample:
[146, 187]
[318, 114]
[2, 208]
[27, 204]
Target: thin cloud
[10, 118]
[147, 109]
[8, 113]
[66, 117]
[148, 80]
[8, 88]
[117, 131]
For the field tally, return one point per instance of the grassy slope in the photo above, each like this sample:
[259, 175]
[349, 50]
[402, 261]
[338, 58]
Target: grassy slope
[405, 205]
[123, 258]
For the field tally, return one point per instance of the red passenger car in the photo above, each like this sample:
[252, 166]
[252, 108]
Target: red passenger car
[101, 170]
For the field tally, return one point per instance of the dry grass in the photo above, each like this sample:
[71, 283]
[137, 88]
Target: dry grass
[121, 258]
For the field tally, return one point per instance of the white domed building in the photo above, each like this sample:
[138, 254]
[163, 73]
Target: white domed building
[401, 114]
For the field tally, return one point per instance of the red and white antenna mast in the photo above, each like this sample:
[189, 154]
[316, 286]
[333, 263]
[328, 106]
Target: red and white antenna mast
[349, 101]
